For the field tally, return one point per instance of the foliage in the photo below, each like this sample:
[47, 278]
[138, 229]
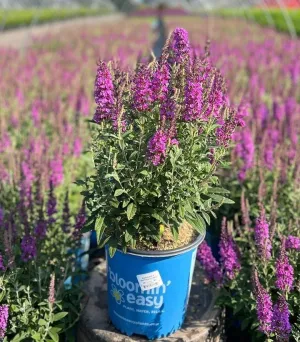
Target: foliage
[24, 17]
[33, 274]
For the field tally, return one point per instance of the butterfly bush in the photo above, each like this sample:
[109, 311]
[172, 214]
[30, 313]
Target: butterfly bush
[157, 170]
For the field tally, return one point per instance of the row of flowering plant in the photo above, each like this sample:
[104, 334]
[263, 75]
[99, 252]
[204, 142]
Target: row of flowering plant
[162, 133]
[38, 240]
[259, 272]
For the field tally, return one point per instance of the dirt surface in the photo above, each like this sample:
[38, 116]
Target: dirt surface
[23, 37]
[186, 235]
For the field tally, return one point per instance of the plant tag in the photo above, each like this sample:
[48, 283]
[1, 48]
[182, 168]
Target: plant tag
[148, 281]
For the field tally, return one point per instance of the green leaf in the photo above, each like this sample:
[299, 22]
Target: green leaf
[54, 336]
[131, 211]
[206, 217]
[99, 228]
[221, 199]
[59, 316]
[112, 251]
[159, 218]
[144, 172]
[42, 322]
[119, 192]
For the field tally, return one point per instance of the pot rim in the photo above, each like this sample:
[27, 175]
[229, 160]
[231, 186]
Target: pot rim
[167, 252]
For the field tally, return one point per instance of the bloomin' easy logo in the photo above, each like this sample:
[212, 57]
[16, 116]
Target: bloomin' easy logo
[117, 294]
[133, 293]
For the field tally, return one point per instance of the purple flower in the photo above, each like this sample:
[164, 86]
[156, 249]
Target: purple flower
[245, 150]
[57, 170]
[179, 46]
[193, 99]
[79, 222]
[293, 242]
[103, 93]
[77, 147]
[264, 306]
[3, 319]
[28, 247]
[2, 267]
[281, 323]
[224, 133]
[160, 83]
[284, 270]
[228, 253]
[262, 237]
[66, 214]
[157, 147]
[167, 109]
[142, 89]
[51, 204]
[5, 142]
[209, 263]
[1, 215]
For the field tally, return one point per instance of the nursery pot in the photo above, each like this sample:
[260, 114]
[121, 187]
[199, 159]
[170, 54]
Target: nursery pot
[148, 291]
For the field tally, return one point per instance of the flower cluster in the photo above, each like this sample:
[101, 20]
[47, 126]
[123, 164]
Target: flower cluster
[262, 237]
[209, 263]
[3, 319]
[228, 252]
[284, 271]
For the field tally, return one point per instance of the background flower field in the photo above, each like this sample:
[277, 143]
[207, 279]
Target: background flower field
[46, 102]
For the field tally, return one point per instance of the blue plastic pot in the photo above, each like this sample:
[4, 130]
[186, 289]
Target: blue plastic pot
[148, 291]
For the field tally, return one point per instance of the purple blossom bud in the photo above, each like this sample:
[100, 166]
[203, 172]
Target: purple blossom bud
[281, 320]
[28, 247]
[103, 93]
[264, 306]
[293, 242]
[262, 237]
[57, 170]
[179, 46]
[77, 147]
[245, 150]
[142, 89]
[157, 147]
[284, 270]
[167, 109]
[160, 83]
[2, 267]
[228, 253]
[51, 204]
[79, 222]
[66, 214]
[209, 263]
[193, 98]
[3, 320]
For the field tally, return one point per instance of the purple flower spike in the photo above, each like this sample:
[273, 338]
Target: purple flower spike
[293, 242]
[51, 204]
[80, 221]
[209, 263]
[281, 324]
[228, 253]
[264, 306]
[142, 89]
[180, 45]
[193, 99]
[28, 247]
[2, 267]
[262, 237]
[160, 83]
[157, 147]
[103, 93]
[3, 320]
[284, 271]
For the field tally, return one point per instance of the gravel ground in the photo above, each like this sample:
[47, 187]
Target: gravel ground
[22, 37]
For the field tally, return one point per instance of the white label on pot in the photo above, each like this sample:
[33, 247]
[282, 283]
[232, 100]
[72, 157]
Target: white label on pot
[148, 281]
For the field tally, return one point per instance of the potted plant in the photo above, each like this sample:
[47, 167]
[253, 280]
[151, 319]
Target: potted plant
[161, 134]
